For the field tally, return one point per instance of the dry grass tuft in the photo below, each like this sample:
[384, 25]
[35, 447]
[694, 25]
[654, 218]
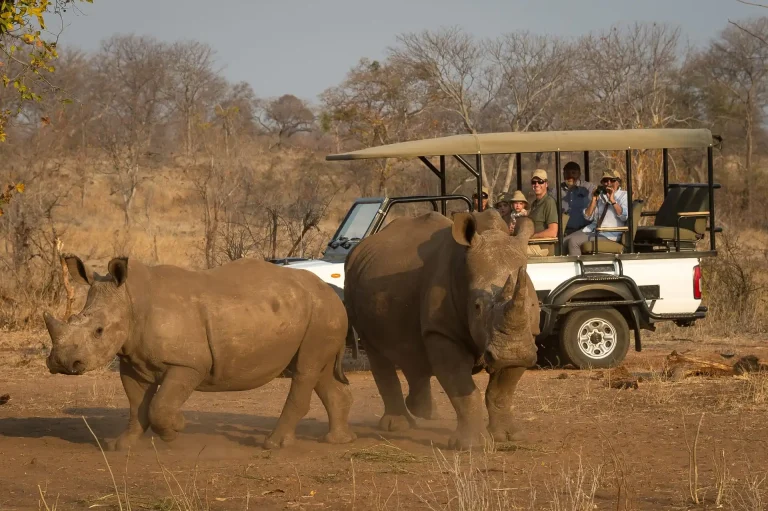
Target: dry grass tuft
[755, 388]
[455, 486]
[385, 453]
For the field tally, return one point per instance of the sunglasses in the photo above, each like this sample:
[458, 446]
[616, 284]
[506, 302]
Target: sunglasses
[537, 182]
[608, 179]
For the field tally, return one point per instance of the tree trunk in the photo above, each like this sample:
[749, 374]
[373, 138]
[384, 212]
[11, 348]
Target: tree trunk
[273, 215]
[511, 171]
[189, 133]
[749, 147]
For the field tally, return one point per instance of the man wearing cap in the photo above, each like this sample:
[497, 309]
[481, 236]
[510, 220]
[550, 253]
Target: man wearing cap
[543, 213]
[485, 198]
[607, 209]
[511, 206]
[575, 196]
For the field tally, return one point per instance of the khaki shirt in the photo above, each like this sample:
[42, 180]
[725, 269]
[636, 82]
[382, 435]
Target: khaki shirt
[543, 212]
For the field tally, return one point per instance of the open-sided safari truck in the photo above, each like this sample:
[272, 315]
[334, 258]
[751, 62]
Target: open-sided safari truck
[589, 303]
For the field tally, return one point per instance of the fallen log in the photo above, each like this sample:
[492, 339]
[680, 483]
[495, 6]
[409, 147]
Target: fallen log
[682, 366]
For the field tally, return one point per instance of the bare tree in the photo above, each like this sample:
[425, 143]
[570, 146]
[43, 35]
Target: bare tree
[452, 63]
[311, 196]
[628, 78]
[533, 73]
[215, 182]
[376, 104]
[193, 84]
[132, 73]
[746, 30]
[733, 74]
[454, 67]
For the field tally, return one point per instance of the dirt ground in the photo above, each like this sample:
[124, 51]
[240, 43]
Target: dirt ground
[587, 445]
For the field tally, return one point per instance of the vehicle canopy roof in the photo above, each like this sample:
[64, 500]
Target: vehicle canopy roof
[537, 142]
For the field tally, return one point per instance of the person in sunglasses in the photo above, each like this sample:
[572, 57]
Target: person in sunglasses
[608, 208]
[543, 213]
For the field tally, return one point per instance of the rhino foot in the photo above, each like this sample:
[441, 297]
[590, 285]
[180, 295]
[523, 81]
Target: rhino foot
[465, 440]
[123, 442]
[340, 437]
[276, 441]
[506, 434]
[395, 423]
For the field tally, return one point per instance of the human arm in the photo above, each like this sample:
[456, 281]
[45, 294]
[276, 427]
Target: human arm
[618, 201]
[551, 221]
[549, 232]
[589, 211]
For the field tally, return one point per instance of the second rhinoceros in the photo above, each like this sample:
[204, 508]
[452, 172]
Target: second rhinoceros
[234, 327]
[443, 298]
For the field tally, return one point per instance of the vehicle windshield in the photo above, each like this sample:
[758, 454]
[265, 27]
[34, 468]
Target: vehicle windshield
[358, 221]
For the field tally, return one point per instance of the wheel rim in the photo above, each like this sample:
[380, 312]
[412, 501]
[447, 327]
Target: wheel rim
[597, 338]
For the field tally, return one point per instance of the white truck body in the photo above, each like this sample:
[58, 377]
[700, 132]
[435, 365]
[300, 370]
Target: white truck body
[640, 289]
[675, 278]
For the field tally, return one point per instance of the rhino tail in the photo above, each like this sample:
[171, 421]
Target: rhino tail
[338, 366]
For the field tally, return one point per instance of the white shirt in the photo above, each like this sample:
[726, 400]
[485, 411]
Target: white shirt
[611, 218]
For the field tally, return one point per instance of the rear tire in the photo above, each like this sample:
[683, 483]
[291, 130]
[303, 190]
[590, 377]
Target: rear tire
[595, 338]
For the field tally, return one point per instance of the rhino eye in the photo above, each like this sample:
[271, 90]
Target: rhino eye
[99, 331]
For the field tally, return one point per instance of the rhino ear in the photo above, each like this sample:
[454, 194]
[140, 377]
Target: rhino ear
[464, 228]
[78, 270]
[118, 268]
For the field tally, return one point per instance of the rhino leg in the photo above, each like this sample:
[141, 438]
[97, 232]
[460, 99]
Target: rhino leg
[420, 401]
[498, 400]
[165, 415]
[337, 400]
[396, 416]
[296, 406]
[453, 367]
[139, 393]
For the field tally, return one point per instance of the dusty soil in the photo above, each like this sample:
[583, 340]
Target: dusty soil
[588, 446]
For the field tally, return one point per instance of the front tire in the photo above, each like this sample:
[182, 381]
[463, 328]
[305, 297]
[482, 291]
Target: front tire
[596, 338]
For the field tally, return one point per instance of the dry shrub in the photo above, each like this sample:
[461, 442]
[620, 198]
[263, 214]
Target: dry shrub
[733, 285]
[755, 387]
[464, 487]
[26, 292]
[466, 482]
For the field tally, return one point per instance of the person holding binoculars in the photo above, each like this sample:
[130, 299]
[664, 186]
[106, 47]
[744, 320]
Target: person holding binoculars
[607, 208]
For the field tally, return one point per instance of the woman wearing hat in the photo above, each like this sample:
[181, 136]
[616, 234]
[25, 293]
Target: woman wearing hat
[511, 206]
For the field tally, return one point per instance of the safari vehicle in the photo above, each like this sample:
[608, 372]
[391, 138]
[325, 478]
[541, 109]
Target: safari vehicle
[589, 303]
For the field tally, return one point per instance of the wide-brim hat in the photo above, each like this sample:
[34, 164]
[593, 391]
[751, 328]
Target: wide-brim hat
[518, 196]
[610, 174]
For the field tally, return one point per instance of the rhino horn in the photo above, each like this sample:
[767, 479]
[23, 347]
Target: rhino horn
[515, 308]
[508, 291]
[54, 326]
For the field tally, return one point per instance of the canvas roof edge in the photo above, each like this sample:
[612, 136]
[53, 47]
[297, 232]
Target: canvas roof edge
[538, 141]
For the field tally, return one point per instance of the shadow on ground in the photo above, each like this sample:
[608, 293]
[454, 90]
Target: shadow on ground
[244, 429]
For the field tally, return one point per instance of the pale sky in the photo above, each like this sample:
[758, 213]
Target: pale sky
[301, 48]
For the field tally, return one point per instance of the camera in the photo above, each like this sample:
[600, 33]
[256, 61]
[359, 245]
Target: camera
[600, 189]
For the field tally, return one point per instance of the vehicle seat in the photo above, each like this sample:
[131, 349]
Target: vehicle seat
[616, 247]
[549, 244]
[692, 229]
